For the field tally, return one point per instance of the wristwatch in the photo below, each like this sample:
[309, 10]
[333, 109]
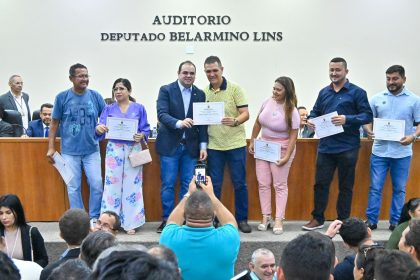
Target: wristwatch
[415, 138]
[235, 122]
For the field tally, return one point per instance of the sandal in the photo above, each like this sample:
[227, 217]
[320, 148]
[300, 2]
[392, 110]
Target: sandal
[131, 231]
[266, 223]
[278, 226]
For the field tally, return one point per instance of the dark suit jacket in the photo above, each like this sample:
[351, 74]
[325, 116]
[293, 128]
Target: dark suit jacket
[307, 132]
[36, 129]
[8, 102]
[32, 243]
[6, 129]
[71, 254]
[170, 109]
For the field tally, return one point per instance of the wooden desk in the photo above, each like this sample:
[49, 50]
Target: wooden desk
[25, 171]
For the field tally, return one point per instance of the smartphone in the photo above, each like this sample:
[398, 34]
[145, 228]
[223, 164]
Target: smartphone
[200, 174]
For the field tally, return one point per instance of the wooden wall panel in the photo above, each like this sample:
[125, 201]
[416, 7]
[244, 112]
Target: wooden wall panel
[24, 170]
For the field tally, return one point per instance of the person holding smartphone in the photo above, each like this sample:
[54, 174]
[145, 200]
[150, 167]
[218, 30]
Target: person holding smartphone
[278, 121]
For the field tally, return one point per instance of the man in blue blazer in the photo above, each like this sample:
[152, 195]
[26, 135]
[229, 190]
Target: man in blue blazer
[17, 100]
[179, 142]
[40, 127]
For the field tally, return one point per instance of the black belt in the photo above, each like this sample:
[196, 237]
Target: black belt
[183, 141]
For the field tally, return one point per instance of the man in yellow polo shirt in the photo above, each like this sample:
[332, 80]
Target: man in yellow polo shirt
[227, 141]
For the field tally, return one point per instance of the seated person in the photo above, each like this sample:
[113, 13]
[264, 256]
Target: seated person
[40, 127]
[261, 267]
[74, 226]
[6, 129]
[304, 130]
[410, 240]
[108, 221]
[393, 265]
[410, 210]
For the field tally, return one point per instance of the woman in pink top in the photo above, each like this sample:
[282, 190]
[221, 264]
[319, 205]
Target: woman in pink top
[278, 121]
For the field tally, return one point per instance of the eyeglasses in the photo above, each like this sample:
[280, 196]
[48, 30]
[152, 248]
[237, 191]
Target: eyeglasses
[103, 225]
[365, 249]
[82, 76]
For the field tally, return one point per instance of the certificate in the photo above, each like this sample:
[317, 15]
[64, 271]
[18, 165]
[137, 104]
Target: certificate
[268, 151]
[62, 167]
[324, 126]
[205, 113]
[386, 129]
[121, 128]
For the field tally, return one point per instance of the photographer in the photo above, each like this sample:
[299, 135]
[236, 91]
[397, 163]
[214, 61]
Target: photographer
[194, 242]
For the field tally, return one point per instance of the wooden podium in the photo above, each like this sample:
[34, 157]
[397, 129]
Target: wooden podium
[26, 172]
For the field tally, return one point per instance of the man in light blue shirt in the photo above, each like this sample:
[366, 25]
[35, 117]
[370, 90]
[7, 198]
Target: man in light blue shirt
[396, 103]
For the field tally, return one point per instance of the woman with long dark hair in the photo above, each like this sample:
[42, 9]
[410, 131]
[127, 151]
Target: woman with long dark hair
[123, 191]
[278, 121]
[20, 240]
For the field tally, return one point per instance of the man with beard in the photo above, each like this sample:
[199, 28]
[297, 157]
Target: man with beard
[41, 127]
[338, 151]
[396, 103]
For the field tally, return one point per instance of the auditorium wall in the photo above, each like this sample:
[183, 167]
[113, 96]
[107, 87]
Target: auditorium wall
[42, 38]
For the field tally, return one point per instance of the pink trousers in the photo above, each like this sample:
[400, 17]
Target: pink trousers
[269, 174]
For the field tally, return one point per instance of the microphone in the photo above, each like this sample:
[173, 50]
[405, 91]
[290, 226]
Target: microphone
[18, 132]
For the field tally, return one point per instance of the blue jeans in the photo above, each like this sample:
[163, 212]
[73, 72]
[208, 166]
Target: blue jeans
[326, 164]
[399, 169]
[169, 166]
[91, 164]
[236, 159]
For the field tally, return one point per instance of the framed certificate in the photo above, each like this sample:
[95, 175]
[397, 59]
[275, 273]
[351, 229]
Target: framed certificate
[387, 129]
[121, 128]
[324, 126]
[207, 113]
[266, 150]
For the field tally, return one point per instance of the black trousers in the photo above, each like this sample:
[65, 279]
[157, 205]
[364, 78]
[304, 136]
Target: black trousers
[326, 164]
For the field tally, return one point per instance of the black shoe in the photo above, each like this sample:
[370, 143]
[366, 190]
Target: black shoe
[244, 227]
[370, 225]
[392, 227]
[161, 227]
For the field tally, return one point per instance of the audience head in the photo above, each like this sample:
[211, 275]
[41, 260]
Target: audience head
[338, 70]
[410, 240]
[164, 253]
[16, 84]
[73, 269]
[11, 212]
[263, 264]
[45, 113]
[395, 78]
[309, 256]
[364, 261]
[186, 73]
[354, 231]
[8, 269]
[122, 265]
[79, 77]
[121, 90]
[74, 226]
[199, 211]
[94, 244]
[410, 210]
[108, 221]
[393, 264]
